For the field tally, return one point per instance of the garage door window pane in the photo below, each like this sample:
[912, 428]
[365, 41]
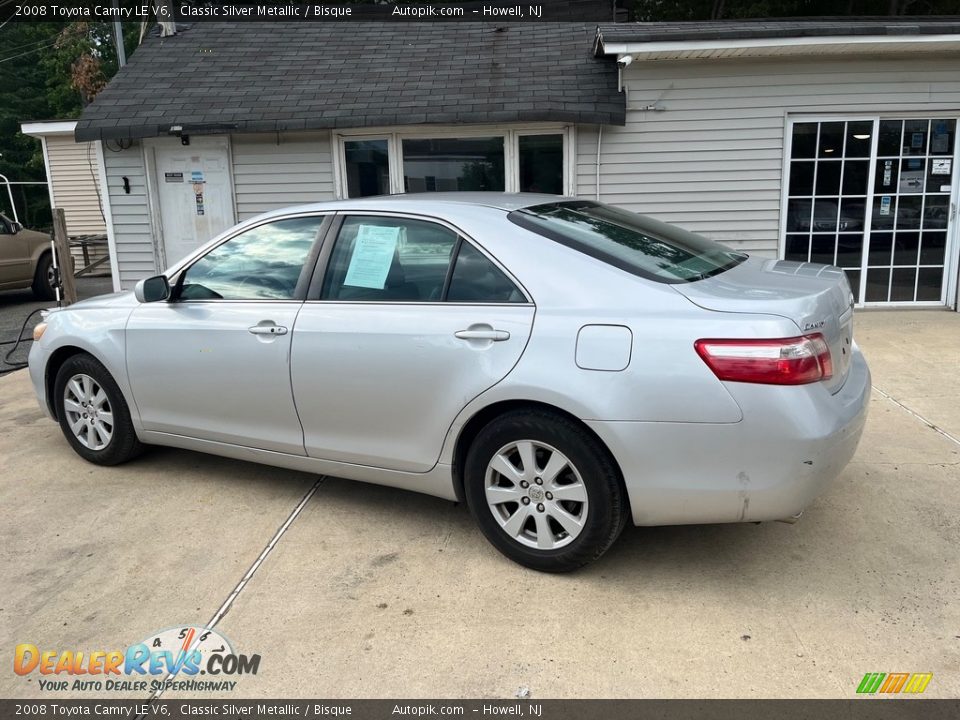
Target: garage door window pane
[541, 163]
[263, 263]
[452, 164]
[804, 140]
[368, 171]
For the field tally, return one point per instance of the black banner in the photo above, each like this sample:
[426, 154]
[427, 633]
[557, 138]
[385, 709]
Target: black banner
[531, 709]
[190, 11]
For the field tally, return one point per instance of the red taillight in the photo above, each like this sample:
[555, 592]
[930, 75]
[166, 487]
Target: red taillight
[783, 361]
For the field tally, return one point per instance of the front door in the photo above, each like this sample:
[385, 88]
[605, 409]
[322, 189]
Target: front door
[194, 192]
[411, 323]
[213, 364]
[876, 197]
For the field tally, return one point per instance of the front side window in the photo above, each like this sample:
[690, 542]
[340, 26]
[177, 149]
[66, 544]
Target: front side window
[263, 263]
[634, 243]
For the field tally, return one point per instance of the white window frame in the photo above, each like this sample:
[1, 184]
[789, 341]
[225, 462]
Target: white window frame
[949, 293]
[511, 152]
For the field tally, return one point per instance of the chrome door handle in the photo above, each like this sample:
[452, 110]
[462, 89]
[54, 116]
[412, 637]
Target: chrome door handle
[495, 335]
[267, 330]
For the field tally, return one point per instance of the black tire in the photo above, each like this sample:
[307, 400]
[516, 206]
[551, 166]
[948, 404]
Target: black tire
[123, 444]
[604, 514]
[42, 288]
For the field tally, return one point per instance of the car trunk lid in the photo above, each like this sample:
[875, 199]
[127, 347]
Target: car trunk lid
[817, 298]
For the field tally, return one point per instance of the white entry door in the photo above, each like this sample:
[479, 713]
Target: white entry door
[194, 192]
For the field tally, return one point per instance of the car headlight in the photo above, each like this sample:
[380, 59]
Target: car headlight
[39, 330]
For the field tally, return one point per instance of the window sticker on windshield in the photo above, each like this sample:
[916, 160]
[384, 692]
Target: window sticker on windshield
[372, 256]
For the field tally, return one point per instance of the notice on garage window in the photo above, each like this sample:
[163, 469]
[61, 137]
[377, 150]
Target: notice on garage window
[372, 258]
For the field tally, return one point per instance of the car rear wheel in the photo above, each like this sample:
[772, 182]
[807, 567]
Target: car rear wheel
[44, 279]
[93, 414]
[544, 491]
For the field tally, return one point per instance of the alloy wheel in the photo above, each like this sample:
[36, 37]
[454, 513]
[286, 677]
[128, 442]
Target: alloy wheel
[88, 412]
[536, 495]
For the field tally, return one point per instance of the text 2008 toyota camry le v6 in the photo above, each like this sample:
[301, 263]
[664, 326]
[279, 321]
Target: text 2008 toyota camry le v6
[560, 364]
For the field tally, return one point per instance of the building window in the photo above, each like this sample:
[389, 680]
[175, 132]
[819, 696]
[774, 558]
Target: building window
[541, 163]
[367, 167]
[443, 159]
[450, 164]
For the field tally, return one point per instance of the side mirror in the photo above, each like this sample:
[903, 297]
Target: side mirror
[152, 289]
[16, 227]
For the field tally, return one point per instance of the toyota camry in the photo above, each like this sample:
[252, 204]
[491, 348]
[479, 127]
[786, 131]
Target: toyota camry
[562, 366]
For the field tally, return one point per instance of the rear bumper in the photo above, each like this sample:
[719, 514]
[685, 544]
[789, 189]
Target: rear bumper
[791, 443]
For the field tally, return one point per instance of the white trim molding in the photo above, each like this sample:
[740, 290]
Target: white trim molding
[819, 45]
[108, 217]
[48, 127]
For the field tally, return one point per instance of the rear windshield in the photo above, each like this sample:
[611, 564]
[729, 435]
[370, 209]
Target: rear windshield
[640, 245]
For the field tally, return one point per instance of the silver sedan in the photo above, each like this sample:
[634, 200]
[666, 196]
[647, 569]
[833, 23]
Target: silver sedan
[561, 365]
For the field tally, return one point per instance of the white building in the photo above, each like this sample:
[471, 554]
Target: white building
[826, 141]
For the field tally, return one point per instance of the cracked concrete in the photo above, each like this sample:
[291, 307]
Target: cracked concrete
[374, 592]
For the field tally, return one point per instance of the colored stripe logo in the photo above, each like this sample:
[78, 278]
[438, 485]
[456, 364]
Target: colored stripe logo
[893, 683]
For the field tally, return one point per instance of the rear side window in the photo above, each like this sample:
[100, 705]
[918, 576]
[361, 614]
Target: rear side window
[477, 280]
[384, 259]
[634, 243]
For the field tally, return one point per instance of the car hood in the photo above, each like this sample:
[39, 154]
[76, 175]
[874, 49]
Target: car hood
[112, 300]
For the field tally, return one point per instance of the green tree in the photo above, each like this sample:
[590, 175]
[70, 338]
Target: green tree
[48, 71]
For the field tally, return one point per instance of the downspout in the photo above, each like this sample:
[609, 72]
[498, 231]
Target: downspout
[599, 138]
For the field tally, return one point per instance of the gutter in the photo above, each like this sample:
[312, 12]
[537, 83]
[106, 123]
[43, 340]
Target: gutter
[802, 45]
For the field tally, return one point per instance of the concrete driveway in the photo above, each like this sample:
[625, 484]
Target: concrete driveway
[373, 592]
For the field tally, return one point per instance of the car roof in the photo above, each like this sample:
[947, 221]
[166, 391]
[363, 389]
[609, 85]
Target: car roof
[427, 200]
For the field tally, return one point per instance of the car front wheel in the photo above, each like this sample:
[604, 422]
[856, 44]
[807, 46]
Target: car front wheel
[544, 491]
[93, 414]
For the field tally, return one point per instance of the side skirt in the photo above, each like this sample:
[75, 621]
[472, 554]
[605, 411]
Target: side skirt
[437, 481]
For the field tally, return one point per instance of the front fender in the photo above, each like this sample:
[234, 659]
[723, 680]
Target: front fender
[100, 333]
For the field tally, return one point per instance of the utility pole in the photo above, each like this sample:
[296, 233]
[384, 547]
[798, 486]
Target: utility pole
[118, 41]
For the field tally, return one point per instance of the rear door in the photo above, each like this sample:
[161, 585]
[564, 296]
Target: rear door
[410, 322]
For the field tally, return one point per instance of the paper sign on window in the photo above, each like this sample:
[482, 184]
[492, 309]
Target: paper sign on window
[941, 166]
[373, 254]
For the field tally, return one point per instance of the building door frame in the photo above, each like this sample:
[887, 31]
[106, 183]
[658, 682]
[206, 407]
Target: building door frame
[150, 147]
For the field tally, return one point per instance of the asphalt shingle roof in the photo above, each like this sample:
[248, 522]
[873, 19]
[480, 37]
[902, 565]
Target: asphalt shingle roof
[271, 77]
[744, 29]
